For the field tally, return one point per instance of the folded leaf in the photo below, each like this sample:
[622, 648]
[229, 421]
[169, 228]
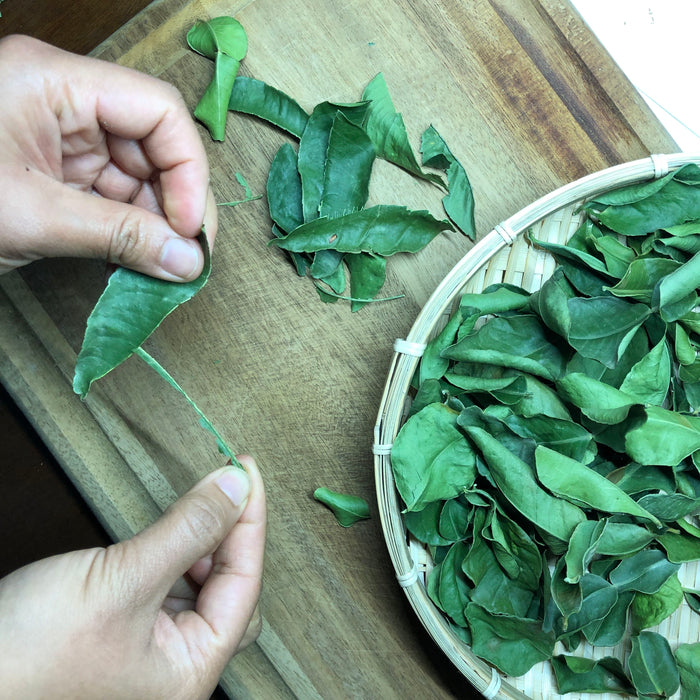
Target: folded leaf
[313, 150]
[644, 572]
[449, 584]
[688, 660]
[602, 327]
[597, 400]
[641, 278]
[432, 364]
[514, 645]
[665, 437]
[223, 40]
[131, 307]
[517, 483]
[582, 547]
[599, 599]
[551, 303]
[385, 126]
[564, 436]
[674, 203]
[367, 275]
[424, 525]
[652, 665]
[518, 341]
[346, 508]
[284, 190]
[575, 256]
[494, 589]
[623, 539]
[576, 674]
[459, 200]
[349, 160]
[495, 299]
[649, 379]
[677, 292]
[616, 254]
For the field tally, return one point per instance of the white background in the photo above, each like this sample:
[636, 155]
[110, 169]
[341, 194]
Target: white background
[657, 45]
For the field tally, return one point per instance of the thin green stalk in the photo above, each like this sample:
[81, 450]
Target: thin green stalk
[249, 196]
[203, 420]
[362, 301]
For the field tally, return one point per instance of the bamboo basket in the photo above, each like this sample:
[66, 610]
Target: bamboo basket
[503, 255]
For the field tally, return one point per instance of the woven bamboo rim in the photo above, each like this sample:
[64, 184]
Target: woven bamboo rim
[503, 255]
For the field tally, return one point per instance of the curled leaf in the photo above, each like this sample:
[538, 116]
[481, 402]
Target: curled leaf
[223, 40]
[459, 200]
[347, 509]
[131, 307]
[255, 97]
[385, 126]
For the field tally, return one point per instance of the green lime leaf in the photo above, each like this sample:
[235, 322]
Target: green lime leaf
[131, 307]
[346, 508]
[255, 97]
[223, 40]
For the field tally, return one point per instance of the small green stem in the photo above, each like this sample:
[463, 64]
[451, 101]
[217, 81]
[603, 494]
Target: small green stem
[362, 301]
[203, 420]
[249, 196]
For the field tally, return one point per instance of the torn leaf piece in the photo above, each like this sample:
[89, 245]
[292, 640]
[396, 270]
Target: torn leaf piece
[459, 200]
[385, 126]
[346, 508]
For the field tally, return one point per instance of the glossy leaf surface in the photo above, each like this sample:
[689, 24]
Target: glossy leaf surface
[347, 509]
[223, 40]
[131, 307]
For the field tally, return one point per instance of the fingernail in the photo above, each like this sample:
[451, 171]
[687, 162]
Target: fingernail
[235, 484]
[180, 257]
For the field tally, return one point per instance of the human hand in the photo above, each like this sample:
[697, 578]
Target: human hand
[122, 622]
[73, 127]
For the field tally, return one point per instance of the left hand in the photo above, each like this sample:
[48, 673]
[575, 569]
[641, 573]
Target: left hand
[98, 160]
[121, 622]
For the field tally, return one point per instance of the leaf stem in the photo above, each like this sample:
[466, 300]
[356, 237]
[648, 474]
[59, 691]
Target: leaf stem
[204, 421]
[249, 196]
[362, 301]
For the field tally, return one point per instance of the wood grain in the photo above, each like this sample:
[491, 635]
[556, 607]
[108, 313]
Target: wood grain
[74, 25]
[527, 100]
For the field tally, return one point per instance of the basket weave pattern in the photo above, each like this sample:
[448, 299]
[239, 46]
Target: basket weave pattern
[503, 255]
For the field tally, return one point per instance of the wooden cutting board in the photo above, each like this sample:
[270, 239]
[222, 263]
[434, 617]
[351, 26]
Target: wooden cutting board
[526, 99]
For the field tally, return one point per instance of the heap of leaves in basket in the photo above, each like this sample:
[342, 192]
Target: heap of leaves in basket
[550, 462]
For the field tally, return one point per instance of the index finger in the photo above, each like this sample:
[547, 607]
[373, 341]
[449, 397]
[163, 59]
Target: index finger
[133, 105]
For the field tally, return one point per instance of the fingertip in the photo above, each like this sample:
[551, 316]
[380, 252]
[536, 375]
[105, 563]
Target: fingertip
[181, 259]
[247, 461]
[210, 224]
[235, 484]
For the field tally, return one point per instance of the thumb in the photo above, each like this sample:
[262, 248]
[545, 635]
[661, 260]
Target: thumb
[67, 222]
[192, 528]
